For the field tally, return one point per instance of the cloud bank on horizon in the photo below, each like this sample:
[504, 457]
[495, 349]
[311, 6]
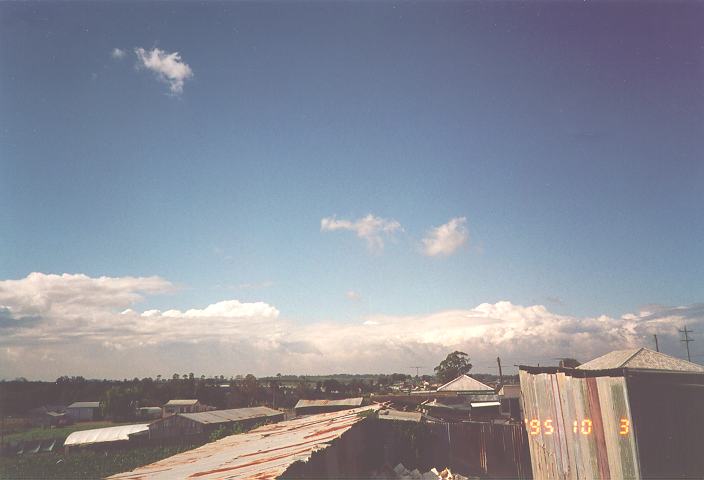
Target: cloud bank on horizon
[75, 324]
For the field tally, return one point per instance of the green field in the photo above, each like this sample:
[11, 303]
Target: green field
[84, 464]
[39, 433]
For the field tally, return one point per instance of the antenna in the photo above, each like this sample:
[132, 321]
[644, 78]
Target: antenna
[687, 340]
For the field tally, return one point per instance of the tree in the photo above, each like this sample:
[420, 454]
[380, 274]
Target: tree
[456, 364]
[569, 363]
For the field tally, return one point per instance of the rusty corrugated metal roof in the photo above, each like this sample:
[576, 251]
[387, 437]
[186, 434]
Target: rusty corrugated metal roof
[340, 402]
[231, 415]
[263, 453]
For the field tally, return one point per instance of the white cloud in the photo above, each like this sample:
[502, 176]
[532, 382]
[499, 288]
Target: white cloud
[446, 239]
[370, 228]
[118, 53]
[354, 296]
[93, 327]
[168, 67]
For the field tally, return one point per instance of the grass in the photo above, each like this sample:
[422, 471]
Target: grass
[86, 464]
[39, 433]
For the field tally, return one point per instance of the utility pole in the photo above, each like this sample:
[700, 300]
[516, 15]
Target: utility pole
[687, 340]
[656, 342]
[417, 370]
[501, 375]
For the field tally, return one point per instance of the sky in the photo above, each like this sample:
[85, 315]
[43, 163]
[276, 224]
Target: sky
[318, 187]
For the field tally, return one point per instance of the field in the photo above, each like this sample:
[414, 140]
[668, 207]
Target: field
[85, 464]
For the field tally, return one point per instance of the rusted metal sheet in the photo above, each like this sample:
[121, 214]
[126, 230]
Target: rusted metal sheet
[264, 453]
[577, 426]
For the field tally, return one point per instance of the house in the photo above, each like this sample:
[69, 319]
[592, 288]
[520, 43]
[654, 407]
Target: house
[183, 406]
[307, 407]
[471, 407]
[465, 384]
[183, 424]
[84, 411]
[628, 414]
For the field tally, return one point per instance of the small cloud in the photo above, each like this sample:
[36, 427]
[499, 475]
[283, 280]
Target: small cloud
[446, 239]
[354, 296]
[372, 229]
[168, 67]
[118, 53]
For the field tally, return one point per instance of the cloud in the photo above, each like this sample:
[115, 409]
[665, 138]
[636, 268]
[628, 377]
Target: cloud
[118, 53]
[371, 229]
[354, 296]
[446, 239]
[94, 327]
[168, 67]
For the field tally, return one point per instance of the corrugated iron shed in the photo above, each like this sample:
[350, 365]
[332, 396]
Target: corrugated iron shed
[84, 405]
[231, 415]
[263, 453]
[101, 435]
[341, 402]
[641, 358]
[180, 403]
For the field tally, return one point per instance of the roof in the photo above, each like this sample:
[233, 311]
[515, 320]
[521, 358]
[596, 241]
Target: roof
[399, 415]
[641, 358]
[342, 402]
[485, 404]
[180, 403]
[231, 415]
[110, 434]
[464, 383]
[264, 453]
[84, 405]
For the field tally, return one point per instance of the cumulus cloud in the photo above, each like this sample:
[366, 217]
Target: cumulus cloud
[51, 325]
[168, 67]
[118, 53]
[446, 239]
[370, 228]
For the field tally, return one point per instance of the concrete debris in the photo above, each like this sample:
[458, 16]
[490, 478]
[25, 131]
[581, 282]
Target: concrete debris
[401, 472]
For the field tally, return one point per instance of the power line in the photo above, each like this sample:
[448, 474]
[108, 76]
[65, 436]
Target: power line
[687, 340]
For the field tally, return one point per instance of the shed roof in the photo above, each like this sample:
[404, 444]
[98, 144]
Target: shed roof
[342, 402]
[180, 403]
[641, 358]
[84, 405]
[231, 415]
[399, 415]
[263, 453]
[464, 383]
[109, 434]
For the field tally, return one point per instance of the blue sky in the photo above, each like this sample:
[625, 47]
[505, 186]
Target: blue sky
[569, 138]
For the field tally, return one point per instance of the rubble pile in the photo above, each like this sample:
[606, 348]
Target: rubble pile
[402, 472]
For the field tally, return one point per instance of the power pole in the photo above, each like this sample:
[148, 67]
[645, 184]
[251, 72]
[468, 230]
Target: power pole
[656, 342]
[687, 340]
[501, 375]
[417, 370]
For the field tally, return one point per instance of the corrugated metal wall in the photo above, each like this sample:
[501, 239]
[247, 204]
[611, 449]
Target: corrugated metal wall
[578, 428]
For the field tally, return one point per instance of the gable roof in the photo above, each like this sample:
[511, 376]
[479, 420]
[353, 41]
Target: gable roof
[180, 403]
[641, 358]
[464, 383]
[84, 405]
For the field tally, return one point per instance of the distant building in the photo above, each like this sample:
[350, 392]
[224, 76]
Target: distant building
[105, 436]
[149, 412]
[308, 407]
[465, 383]
[183, 406]
[184, 424]
[84, 411]
[510, 398]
